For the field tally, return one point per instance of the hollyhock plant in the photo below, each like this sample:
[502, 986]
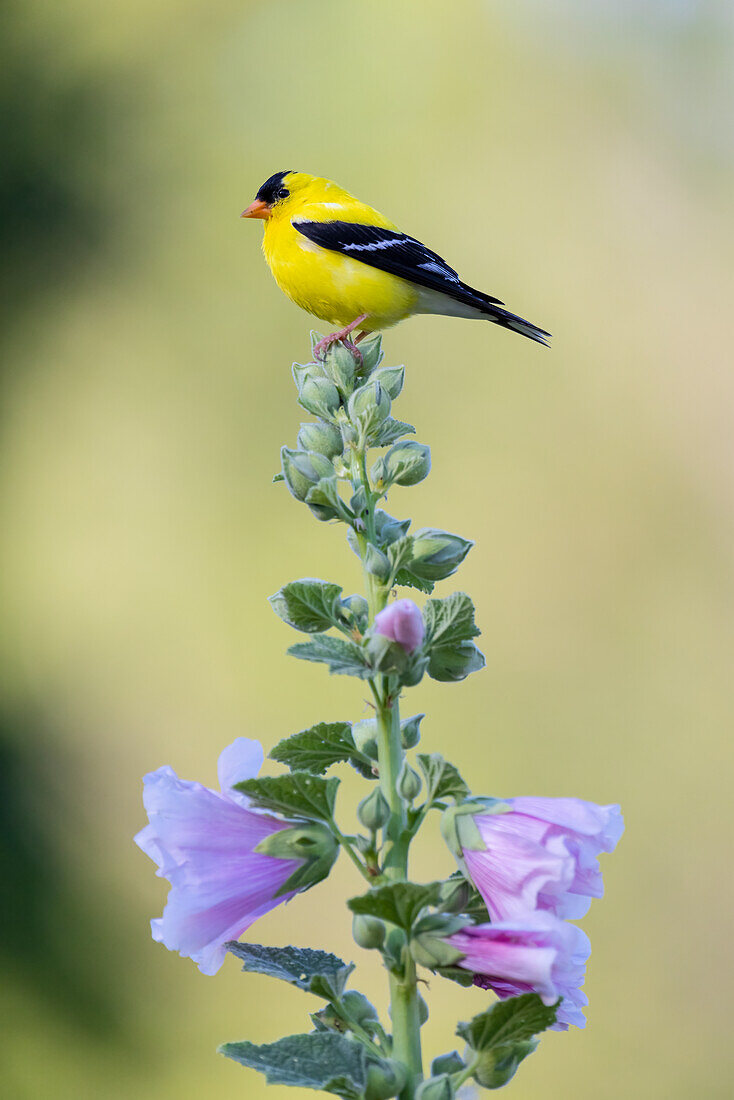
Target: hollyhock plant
[206, 844]
[401, 622]
[231, 856]
[535, 853]
[536, 953]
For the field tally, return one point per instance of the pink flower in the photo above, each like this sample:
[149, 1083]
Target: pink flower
[535, 954]
[204, 844]
[541, 854]
[402, 622]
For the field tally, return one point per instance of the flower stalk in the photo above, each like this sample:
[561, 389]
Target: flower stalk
[526, 865]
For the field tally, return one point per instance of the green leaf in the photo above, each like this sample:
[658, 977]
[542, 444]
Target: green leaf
[324, 1060]
[309, 604]
[399, 903]
[442, 779]
[449, 663]
[450, 621]
[400, 554]
[298, 795]
[409, 580]
[317, 972]
[390, 431]
[342, 656]
[316, 749]
[513, 1021]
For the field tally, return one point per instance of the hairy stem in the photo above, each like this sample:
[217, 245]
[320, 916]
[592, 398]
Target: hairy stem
[404, 1002]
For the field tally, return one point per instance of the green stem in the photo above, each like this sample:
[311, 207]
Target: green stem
[404, 1003]
[344, 842]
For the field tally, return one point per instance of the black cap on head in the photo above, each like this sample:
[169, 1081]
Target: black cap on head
[273, 189]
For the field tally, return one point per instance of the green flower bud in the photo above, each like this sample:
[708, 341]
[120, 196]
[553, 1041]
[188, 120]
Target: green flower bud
[497, 1067]
[376, 563]
[388, 528]
[409, 782]
[320, 397]
[371, 348]
[341, 367]
[437, 554]
[303, 469]
[368, 932]
[364, 734]
[385, 1079]
[322, 437]
[406, 463]
[373, 811]
[455, 894]
[358, 609]
[369, 404]
[394, 950]
[410, 732]
[447, 1063]
[435, 1088]
[391, 379]
[302, 371]
[358, 1009]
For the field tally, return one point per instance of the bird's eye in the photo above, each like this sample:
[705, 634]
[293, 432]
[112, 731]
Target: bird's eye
[282, 193]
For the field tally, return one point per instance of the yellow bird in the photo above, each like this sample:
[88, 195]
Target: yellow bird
[340, 260]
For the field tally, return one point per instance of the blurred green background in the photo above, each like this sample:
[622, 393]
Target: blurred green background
[575, 159]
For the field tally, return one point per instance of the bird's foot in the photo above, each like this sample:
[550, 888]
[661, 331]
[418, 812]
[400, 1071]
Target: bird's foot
[320, 349]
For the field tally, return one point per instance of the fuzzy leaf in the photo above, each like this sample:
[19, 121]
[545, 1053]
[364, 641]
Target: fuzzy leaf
[390, 431]
[316, 749]
[399, 903]
[512, 1021]
[323, 1060]
[409, 580]
[298, 795]
[450, 621]
[442, 779]
[309, 604]
[316, 972]
[449, 663]
[342, 656]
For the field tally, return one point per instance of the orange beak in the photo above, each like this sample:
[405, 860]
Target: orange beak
[257, 209]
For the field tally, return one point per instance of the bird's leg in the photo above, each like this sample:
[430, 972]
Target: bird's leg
[342, 334]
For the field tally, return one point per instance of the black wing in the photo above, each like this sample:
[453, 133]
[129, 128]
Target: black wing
[395, 252]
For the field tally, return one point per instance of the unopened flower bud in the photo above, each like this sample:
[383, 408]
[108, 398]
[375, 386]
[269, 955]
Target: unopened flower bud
[437, 554]
[376, 563]
[391, 379]
[302, 371]
[496, 1067]
[409, 782]
[368, 932]
[357, 1008]
[406, 463]
[322, 437]
[403, 623]
[320, 397]
[385, 1079]
[410, 731]
[423, 1012]
[340, 366]
[371, 401]
[447, 1063]
[371, 349]
[455, 894]
[373, 811]
[435, 1088]
[303, 469]
[364, 734]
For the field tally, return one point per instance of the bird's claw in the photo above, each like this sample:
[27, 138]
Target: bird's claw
[320, 349]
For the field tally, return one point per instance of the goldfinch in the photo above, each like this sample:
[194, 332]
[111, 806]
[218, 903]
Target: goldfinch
[340, 260]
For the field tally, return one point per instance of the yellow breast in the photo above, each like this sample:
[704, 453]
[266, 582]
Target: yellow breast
[333, 287]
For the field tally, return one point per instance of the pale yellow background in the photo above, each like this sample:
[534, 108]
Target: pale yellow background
[574, 159]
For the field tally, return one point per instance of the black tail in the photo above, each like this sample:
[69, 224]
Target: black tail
[503, 317]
